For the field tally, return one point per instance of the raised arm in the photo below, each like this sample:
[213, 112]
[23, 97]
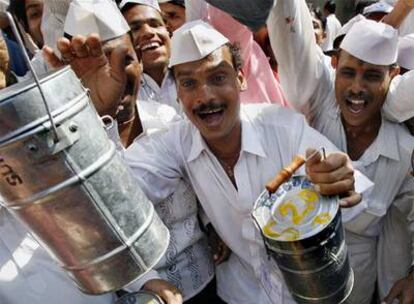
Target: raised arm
[305, 72]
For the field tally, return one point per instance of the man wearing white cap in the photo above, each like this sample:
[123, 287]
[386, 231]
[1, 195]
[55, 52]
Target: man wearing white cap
[345, 105]
[228, 153]
[174, 13]
[187, 265]
[152, 43]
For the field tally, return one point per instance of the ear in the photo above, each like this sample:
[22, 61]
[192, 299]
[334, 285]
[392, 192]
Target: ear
[394, 71]
[241, 81]
[334, 61]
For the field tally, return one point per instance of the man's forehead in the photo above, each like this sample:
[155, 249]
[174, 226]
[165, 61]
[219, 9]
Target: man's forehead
[32, 3]
[345, 58]
[141, 12]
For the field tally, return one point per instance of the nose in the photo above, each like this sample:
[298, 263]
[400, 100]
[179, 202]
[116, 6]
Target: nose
[205, 94]
[357, 86]
[147, 31]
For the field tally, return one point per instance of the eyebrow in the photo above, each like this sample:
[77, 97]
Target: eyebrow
[189, 72]
[140, 22]
[32, 5]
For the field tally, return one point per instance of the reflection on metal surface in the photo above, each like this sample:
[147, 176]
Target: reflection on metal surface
[303, 233]
[75, 195]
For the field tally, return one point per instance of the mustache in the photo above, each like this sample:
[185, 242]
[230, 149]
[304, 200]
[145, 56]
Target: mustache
[209, 106]
[360, 95]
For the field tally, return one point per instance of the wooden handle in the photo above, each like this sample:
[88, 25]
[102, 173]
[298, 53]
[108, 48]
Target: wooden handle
[285, 174]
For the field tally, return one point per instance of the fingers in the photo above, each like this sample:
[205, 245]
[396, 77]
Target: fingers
[342, 173]
[65, 48]
[394, 293]
[167, 291]
[94, 45]
[350, 200]
[171, 296]
[333, 175]
[332, 162]
[51, 58]
[79, 47]
[312, 160]
[222, 254]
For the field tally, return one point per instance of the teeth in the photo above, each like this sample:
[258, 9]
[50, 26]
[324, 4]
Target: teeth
[357, 101]
[210, 111]
[149, 46]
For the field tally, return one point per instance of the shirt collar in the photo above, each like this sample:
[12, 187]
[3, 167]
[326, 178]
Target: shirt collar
[386, 144]
[147, 80]
[251, 142]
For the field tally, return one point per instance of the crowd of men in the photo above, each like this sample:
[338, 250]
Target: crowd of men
[212, 98]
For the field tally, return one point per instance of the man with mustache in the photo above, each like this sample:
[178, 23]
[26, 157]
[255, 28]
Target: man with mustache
[187, 269]
[345, 104]
[228, 153]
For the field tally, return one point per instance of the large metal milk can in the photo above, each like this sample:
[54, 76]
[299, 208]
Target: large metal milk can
[303, 232]
[67, 183]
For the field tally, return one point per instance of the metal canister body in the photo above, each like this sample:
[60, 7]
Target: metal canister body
[314, 263]
[76, 196]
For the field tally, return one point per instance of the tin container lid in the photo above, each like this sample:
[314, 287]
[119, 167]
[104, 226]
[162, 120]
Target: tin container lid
[296, 211]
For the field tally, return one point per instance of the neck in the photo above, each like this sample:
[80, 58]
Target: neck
[359, 138]
[158, 73]
[227, 148]
[129, 125]
[130, 130]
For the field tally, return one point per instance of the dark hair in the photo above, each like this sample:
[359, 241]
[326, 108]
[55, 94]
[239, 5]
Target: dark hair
[330, 6]
[316, 12]
[359, 7]
[236, 56]
[18, 9]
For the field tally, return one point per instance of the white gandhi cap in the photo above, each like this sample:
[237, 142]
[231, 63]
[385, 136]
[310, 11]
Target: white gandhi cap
[377, 7]
[194, 41]
[406, 52]
[95, 16]
[151, 3]
[372, 42]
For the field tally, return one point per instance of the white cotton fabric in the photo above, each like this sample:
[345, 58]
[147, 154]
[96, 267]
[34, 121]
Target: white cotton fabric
[377, 7]
[406, 52]
[308, 80]
[103, 17]
[193, 41]
[372, 42]
[151, 3]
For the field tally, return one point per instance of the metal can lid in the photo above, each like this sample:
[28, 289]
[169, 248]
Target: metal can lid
[296, 211]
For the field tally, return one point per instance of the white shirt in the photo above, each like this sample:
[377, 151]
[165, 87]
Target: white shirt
[29, 275]
[271, 136]
[187, 263]
[332, 29]
[166, 94]
[308, 81]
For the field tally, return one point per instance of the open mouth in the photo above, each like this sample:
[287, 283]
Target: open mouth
[356, 106]
[212, 117]
[149, 46]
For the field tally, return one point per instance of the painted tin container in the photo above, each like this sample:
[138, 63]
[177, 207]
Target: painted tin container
[303, 232]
